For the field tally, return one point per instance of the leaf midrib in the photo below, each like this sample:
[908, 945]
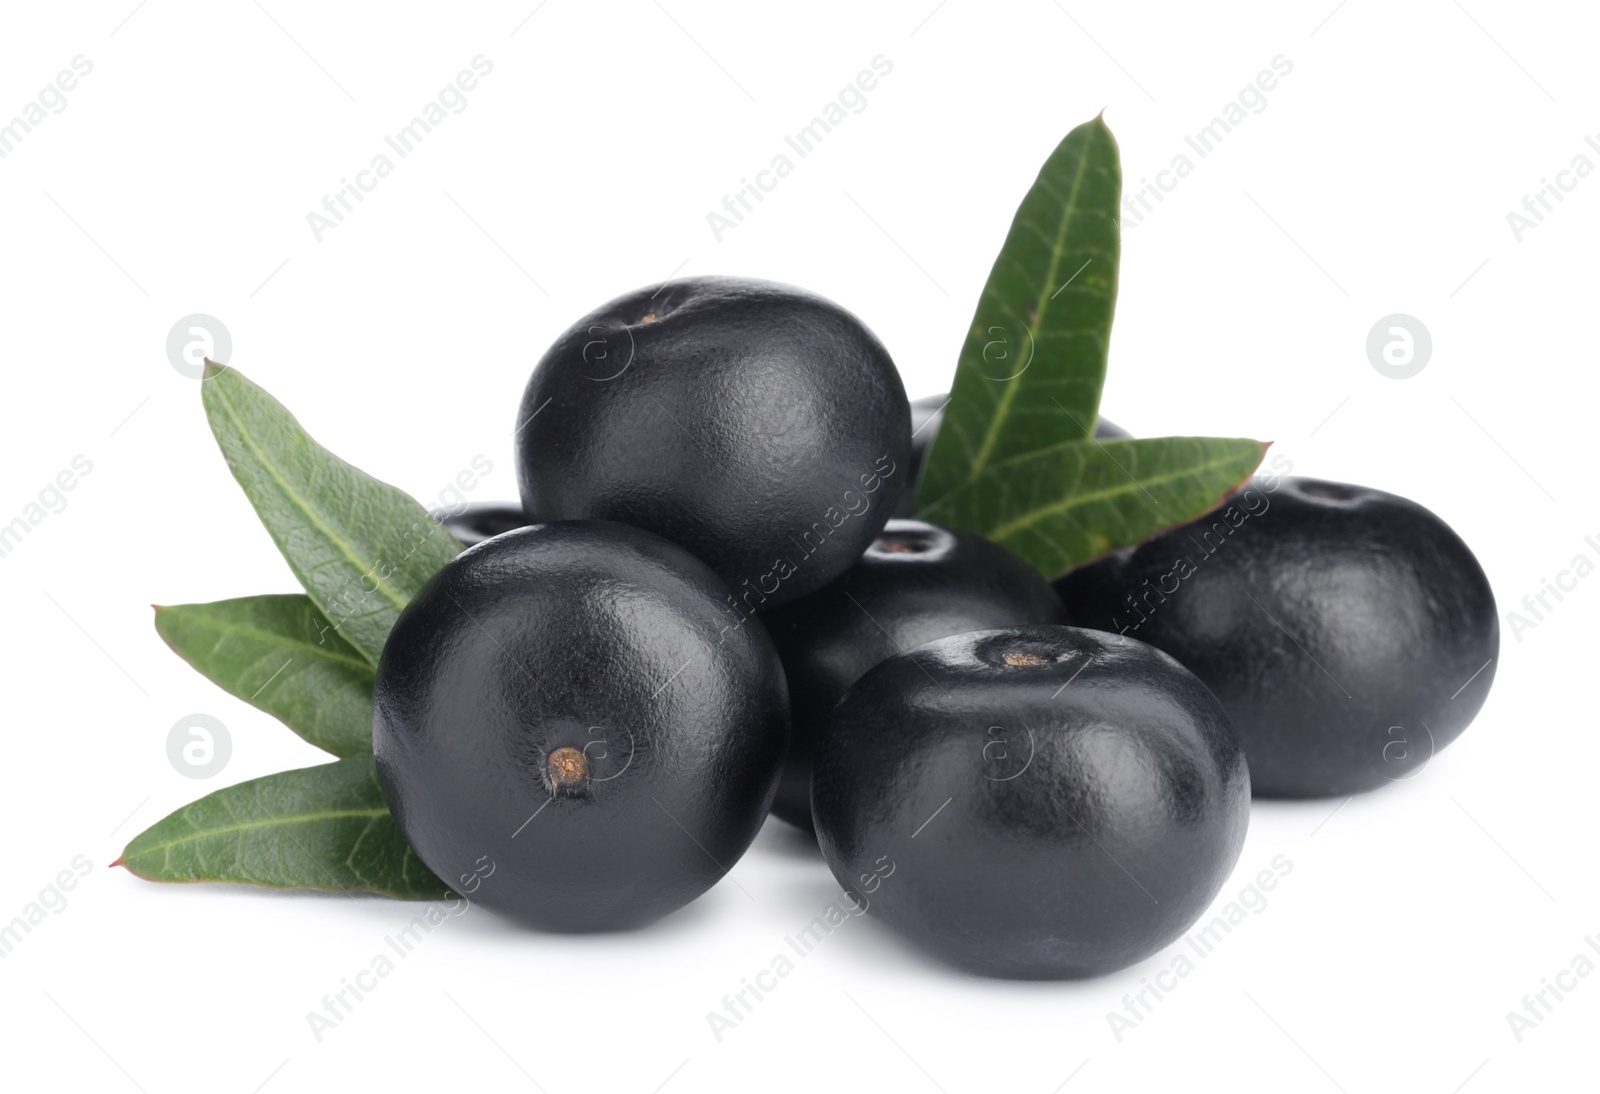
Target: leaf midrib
[211, 622]
[991, 435]
[1076, 500]
[1110, 445]
[300, 818]
[305, 506]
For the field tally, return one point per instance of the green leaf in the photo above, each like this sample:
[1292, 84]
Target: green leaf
[281, 655]
[360, 547]
[324, 828]
[1061, 507]
[1030, 372]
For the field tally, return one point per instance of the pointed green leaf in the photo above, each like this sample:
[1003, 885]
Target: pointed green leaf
[1064, 506]
[281, 655]
[1030, 373]
[323, 828]
[360, 547]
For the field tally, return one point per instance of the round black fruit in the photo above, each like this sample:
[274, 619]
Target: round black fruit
[477, 521]
[760, 426]
[927, 414]
[572, 727]
[1349, 633]
[917, 582]
[1037, 802]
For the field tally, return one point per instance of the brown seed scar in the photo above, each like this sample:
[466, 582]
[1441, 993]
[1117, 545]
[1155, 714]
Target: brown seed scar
[1024, 659]
[568, 767]
[651, 318]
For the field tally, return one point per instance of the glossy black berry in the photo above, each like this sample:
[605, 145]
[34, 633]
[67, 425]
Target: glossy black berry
[574, 707]
[915, 583]
[760, 426]
[1037, 802]
[927, 414]
[474, 522]
[1349, 633]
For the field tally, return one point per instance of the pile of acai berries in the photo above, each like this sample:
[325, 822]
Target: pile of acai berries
[703, 611]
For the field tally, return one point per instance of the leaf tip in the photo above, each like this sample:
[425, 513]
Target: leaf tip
[162, 619]
[212, 368]
[1248, 475]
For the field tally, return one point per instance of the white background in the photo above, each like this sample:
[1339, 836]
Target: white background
[1376, 180]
